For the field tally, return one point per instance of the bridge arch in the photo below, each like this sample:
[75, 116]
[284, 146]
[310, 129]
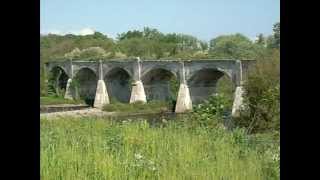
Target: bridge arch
[207, 81]
[147, 68]
[107, 69]
[85, 68]
[57, 80]
[118, 81]
[160, 84]
[85, 84]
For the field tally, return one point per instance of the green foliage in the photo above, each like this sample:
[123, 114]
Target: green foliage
[53, 88]
[136, 47]
[94, 148]
[43, 78]
[226, 87]
[152, 44]
[262, 95]
[273, 41]
[56, 46]
[53, 100]
[129, 35]
[174, 88]
[198, 148]
[210, 113]
[74, 88]
[147, 44]
[137, 107]
[261, 40]
[235, 46]
[276, 34]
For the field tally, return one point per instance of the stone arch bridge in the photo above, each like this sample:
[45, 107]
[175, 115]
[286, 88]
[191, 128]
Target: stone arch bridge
[136, 80]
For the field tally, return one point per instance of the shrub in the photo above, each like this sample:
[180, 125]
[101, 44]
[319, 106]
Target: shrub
[262, 95]
[210, 113]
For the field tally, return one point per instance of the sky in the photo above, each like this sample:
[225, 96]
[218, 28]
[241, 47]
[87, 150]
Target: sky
[204, 19]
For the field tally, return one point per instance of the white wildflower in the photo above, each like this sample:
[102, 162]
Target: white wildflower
[138, 156]
[151, 162]
[276, 157]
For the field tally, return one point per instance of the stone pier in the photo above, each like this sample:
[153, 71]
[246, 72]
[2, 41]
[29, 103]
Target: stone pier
[68, 94]
[101, 97]
[237, 102]
[137, 93]
[184, 102]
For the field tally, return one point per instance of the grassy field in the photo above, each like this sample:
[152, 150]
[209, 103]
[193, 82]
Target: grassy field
[89, 148]
[51, 100]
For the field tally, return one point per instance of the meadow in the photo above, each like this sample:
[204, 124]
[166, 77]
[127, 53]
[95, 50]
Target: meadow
[96, 148]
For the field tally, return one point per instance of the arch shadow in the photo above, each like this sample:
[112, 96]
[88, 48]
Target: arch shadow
[118, 82]
[57, 81]
[204, 83]
[85, 84]
[160, 85]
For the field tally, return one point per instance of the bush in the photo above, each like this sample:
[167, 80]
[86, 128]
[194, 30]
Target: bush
[262, 95]
[210, 113]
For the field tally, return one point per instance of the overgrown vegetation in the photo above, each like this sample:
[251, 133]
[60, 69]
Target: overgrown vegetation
[138, 107]
[194, 147]
[101, 149]
[211, 113]
[152, 44]
[261, 112]
[53, 100]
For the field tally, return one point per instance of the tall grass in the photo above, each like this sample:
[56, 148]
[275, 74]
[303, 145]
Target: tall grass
[100, 149]
[138, 107]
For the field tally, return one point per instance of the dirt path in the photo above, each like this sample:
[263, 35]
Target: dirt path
[76, 113]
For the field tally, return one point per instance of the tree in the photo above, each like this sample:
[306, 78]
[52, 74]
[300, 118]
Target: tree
[273, 41]
[135, 47]
[93, 52]
[151, 33]
[75, 53]
[276, 34]
[56, 46]
[129, 35]
[260, 40]
[235, 46]
[204, 45]
[261, 112]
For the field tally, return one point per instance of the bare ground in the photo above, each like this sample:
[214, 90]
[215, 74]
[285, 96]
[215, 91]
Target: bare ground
[77, 113]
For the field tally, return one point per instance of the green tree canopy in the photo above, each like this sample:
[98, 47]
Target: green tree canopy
[273, 41]
[236, 46]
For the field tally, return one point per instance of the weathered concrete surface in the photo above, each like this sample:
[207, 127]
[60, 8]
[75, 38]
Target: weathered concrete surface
[101, 97]
[68, 93]
[184, 102]
[137, 93]
[238, 101]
